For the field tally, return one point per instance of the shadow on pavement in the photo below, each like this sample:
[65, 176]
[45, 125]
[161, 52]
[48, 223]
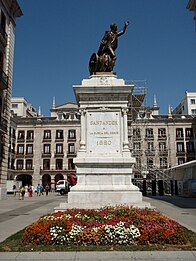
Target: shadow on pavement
[182, 202]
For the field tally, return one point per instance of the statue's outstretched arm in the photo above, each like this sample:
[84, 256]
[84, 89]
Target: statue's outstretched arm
[124, 29]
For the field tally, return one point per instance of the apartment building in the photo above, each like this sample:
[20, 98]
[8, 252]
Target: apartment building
[9, 10]
[45, 146]
[20, 107]
[188, 104]
[161, 142]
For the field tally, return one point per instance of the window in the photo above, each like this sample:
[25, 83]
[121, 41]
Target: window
[71, 148]
[150, 163]
[190, 147]
[136, 133]
[29, 149]
[14, 134]
[162, 132]
[71, 134]
[59, 148]
[149, 133]
[180, 147]
[189, 132]
[29, 164]
[3, 24]
[192, 101]
[162, 146]
[179, 133]
[19, 164]
[21, 135]
[20, 149]
[71, 165]
[46, 164]
[136, 146]
[14, 105]
[193, 111]
[59, 134]
[59, 164]
[30, 135]
[138, 163]
[13, 147]
[150, 146]
[181, 161]
[46, 148]
[163, 163]
[47, 134]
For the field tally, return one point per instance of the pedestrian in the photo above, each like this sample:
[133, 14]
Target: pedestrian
[42, 190]
[14, 190]
[39, 190]
[22, 192]
[26, 191]
[47, 188]
[30, 191]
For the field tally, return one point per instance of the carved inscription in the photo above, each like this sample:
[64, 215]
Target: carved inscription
[103, 132]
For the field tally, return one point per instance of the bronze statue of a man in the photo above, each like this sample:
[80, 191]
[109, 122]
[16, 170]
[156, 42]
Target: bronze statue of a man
[104, 59]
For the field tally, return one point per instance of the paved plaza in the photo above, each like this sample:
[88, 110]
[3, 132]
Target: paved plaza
[16, 214]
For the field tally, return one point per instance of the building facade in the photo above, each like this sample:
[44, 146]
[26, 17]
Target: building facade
[45, 146]
[20, 107]
[160, 143]
[9, 10]
[188, 104]
[42, 149]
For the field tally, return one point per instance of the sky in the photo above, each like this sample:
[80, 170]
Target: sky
[54, 40]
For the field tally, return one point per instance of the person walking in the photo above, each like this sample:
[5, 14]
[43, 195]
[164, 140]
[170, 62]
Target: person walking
[47, 188]
[14, 190]
[22, 192]
[30, 191]
[39, 188]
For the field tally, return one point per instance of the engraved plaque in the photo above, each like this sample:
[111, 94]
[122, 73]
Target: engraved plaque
[103, 132]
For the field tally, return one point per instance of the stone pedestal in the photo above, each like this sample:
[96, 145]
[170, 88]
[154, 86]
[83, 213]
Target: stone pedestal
[104, 162]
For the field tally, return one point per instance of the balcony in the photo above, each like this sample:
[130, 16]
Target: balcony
[59, 154]
[136, 137]
[46, 155]
[163, 153]
[29, 155]
[24, 171]
[47, 139]
[162, 137]
[179, 137]
[20, 155]
[71, 154]
[3, 80]
[29, 140]
[149, 137]
[21, 139]
[137, 153]
[3, 36]
[180, 153]
[71, 139]
[150, 152]
[3, 124]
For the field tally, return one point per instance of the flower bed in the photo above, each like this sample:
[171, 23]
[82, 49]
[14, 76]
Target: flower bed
[119, 225]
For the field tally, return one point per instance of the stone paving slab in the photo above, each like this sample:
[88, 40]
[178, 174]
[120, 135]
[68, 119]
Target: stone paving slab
[99, 256]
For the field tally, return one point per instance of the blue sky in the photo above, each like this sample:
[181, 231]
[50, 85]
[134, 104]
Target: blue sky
[55, 39]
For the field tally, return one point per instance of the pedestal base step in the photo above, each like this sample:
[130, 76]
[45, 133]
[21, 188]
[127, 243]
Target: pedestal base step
[64, 206]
